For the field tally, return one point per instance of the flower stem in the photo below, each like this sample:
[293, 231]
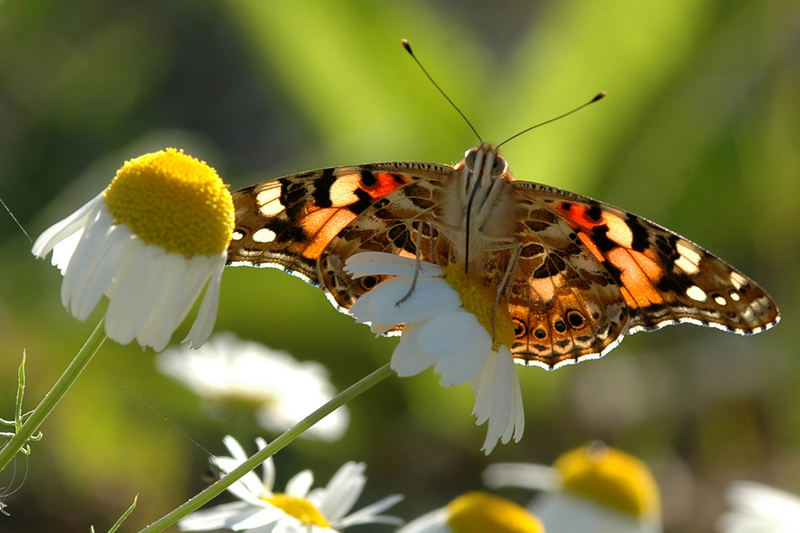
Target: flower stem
[273, 447]
[53, 396]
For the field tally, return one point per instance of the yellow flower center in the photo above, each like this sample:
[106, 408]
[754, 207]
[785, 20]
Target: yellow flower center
[610, 478]
[172, 200]
[478, 512]
[300, 508]
[479, 300]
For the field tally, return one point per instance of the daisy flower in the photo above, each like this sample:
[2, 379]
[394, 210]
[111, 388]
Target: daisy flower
[447, 320]
[298, 510]
[150, 242]
[476, 512]
[758, 508]
[591, 488]
[284, 390]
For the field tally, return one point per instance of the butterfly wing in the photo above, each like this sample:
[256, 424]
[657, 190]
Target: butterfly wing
[587, 273]
[590, 273]
[307, 224]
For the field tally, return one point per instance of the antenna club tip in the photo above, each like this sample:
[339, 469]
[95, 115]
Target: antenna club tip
[599, 96]
[407, 46]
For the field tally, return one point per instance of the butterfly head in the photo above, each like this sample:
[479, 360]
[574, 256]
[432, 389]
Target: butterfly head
[485, 159]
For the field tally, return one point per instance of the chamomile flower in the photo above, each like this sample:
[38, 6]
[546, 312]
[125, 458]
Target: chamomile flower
[758, 508]
[283, 389]
[150, 242]
[476, 512]
[447, 319]
[298, 510]
[591, 488]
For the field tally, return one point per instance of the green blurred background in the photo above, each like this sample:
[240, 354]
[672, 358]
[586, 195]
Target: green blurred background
[699, 132]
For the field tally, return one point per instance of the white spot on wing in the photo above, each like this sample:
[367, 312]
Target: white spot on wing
[720, 300]
[269, 201]
[237, 235]
[687, 251]
[689, 259]
[264, 235]
[735, 296]
[686, 265]
[696, 293]
[738, 280]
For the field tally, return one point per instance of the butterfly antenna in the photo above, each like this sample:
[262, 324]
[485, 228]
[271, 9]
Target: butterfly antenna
[419, 64]
[597, 98]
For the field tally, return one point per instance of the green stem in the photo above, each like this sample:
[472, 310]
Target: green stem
[273, 447]
[53, 396]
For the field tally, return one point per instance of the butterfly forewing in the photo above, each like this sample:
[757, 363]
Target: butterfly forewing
[308, 224]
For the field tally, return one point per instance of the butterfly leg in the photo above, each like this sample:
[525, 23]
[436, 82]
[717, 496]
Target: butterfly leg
[505, 286]
[418, 248]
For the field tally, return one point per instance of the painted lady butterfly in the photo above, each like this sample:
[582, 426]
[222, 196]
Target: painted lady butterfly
[577, 274]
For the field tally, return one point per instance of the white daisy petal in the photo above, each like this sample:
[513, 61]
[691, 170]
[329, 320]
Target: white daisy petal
[56, 233]
[132, 292]
[247, 488]
[236, 450]
[461, 344]
[371, 513]
[287, 526]
[430, 298]
[268, 467]
[262, 517]
[410, 357]
[63, 251]
[473, 357]
[444, 332]
[90, 249]
[759, 508]
[343, 490]
[218, 517]
[155, 331]
[96, 281]
[199, 270]
[204, 323]
[482, 387]
[500, 416]
[378, 263]
[504, 390]
[300, 484]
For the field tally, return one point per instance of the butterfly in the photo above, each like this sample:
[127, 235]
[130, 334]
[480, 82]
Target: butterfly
[577, 274]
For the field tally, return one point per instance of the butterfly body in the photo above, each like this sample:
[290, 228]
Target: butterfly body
[577, 274]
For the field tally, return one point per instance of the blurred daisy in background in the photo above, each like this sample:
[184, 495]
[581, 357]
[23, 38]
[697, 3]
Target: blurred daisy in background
[757, 508]
[447, 319]
[150, 242]
[476, 512]
[283, 389]
[592, 488]
[299, 509]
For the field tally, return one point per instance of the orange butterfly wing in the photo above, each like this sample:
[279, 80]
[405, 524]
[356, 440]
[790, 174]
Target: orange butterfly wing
[586, 273]
[599, 273]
